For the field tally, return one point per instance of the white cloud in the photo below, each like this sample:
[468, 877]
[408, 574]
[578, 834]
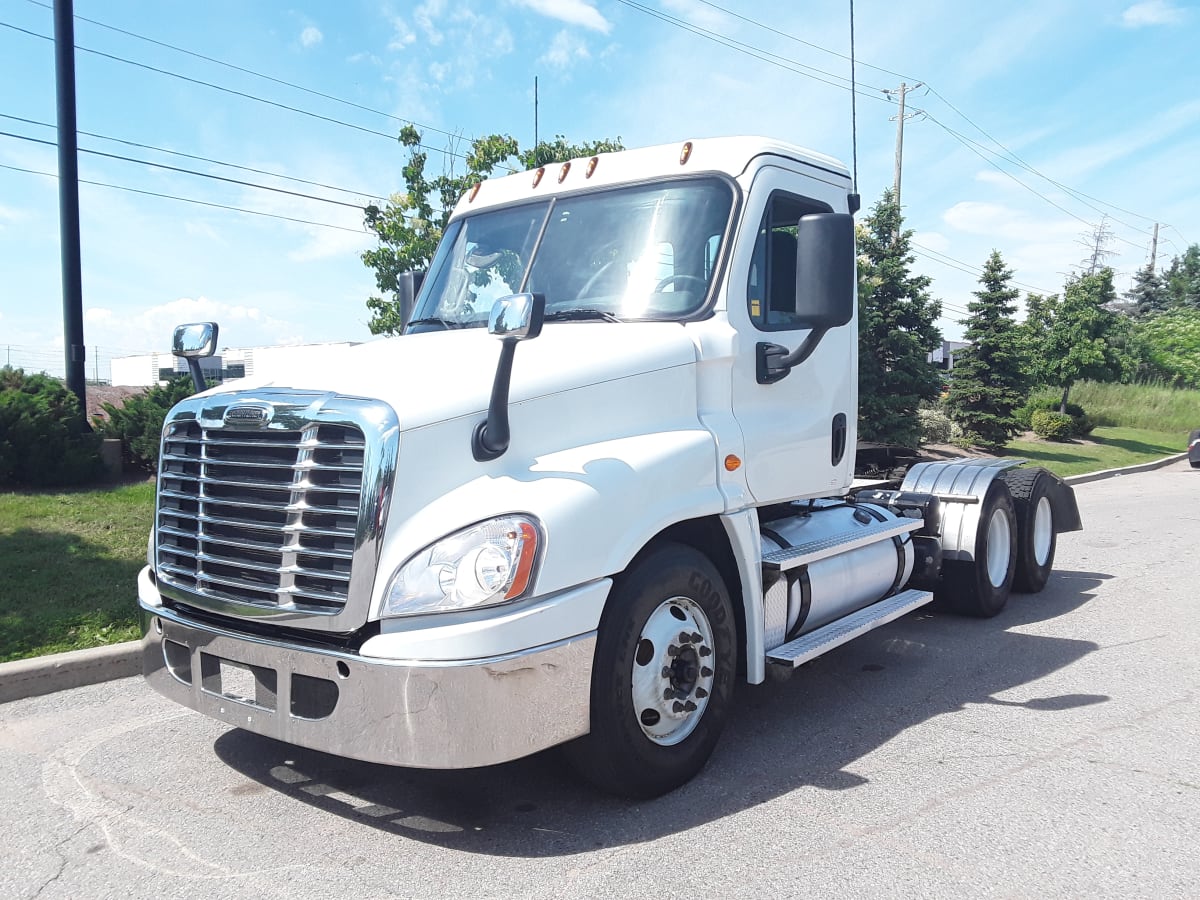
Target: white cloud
[995, 220]
[150, 328]
[424, 15]
[1152, 12]
[573, 12]
[311, 36]
[402, 35]
[563, 50]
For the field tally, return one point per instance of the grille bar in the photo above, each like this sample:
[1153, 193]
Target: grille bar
[269, 518]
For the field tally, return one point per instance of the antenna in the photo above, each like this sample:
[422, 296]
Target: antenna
[535, 119]
[855, 201]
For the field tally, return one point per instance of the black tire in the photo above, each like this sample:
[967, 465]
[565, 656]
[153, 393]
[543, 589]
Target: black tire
[976, 588]
[1036, 525]
[1194, 462]
[620, 755]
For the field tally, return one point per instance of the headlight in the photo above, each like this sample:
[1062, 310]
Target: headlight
[484, 565]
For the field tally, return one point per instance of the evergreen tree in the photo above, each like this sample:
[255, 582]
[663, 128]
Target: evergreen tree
[1182, 279]
[897, 331]
[988, 381]
[409, 227]
[1084, 339]
[1148, 295]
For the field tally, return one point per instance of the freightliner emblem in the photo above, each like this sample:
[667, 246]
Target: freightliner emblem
[248, 416]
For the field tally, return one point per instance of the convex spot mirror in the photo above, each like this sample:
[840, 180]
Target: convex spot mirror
[825, 270]
[517, 316]
[195, 340]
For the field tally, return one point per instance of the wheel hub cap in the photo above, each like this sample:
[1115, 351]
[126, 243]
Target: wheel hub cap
[673, 670]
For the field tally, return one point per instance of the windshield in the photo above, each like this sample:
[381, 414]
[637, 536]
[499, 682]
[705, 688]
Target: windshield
[645, 252]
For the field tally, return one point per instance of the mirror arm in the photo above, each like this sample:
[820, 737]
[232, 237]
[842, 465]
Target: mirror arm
[197, 374]
[774, 362]
[490, 438]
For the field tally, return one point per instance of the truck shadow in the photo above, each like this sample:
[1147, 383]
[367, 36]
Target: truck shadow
[782, 736]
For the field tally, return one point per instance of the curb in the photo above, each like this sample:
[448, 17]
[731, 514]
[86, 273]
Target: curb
[1128, 470]
[77, 668]
[61, 671]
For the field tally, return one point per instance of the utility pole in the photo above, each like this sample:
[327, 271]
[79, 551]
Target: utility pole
[902, 91]
[1153, 248]
[68, 200]
[535, 119]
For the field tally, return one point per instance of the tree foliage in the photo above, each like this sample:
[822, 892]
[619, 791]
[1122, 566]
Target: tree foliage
[1148, 294]
[138, 422]
[988, 381]
[44, 438]
[409, 226]
[897, 330]
[1080, 338]
[1182, 279]
[1169, 347]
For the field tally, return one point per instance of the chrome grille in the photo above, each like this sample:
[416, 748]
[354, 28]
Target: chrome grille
[267, 521]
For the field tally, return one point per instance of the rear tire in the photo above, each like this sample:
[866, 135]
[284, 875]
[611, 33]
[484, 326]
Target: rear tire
[1036, 527]
[668, 627]
[981, 587]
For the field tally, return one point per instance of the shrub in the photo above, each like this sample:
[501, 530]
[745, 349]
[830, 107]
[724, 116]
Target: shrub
[1053, 426]
[936, 427]
[138, 423]
[1049, 400]
[44, 439]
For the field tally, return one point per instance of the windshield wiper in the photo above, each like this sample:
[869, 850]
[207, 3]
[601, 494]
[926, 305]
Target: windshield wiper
[433, 320]
[580, 313]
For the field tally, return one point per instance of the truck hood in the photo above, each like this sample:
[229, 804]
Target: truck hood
[435, 376]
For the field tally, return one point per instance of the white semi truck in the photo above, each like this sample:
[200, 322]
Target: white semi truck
[442, 551]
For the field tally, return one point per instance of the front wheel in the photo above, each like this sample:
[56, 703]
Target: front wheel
[662, 677]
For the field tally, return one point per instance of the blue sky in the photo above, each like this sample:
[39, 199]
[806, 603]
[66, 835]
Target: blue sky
[1100, 97]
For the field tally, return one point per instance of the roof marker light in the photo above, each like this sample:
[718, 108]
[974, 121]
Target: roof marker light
[591, 166]
[686, 153]
[537, 176]
[474, 192]
[562, 173]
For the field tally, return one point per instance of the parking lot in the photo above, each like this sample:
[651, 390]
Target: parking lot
[1051, 750]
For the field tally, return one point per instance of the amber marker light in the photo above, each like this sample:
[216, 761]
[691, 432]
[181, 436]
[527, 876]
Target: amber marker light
[474, 192]
[562, 173]
[732, 463]
[591, 166]
[686, 153]
[537, 176]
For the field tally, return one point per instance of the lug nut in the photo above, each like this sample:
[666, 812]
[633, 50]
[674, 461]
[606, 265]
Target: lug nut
[668, 693]
[689, 707]
[705, 672]
[672, 650]
[684, 637]
[677, 707]
[697, 637]
[704, 651]
[666, 671]
[701, 693]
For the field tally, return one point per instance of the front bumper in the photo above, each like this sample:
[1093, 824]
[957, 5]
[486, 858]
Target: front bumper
[436, 715]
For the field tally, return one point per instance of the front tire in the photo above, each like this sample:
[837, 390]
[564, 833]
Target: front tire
[981, 587]
[663, 675]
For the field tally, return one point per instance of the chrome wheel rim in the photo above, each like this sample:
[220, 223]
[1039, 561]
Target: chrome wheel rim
[1043, 531]
[999, 547]
[673, 669]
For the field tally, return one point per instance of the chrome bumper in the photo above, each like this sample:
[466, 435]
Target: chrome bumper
[444, 715]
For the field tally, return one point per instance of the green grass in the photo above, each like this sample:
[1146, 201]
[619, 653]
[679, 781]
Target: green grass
[1105, 448]
[68, 568]
[1160, 409]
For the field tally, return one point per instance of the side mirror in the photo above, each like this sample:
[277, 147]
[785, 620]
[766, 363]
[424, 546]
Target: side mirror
[517, 316]
[825, 276]
[195, 340]
[825, 270]
[192, 342]
[408, 287]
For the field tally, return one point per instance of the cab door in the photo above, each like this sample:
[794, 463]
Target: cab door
[799, 431]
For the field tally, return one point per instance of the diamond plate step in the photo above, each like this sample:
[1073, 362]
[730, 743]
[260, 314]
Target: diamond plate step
[803, 554]
[810, 646]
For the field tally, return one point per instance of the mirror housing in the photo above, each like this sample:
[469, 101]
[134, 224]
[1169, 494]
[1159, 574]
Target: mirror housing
[517, 316]
[193, 342]
[408, 287]
[826, 270]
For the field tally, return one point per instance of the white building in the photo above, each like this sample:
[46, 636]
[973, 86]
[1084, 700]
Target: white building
[150, 369]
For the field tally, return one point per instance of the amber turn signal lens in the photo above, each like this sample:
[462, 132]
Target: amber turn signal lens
[732, 463]
[474, 192]
[591, 166]
[537, 176]
[686, 153]
[562, 173]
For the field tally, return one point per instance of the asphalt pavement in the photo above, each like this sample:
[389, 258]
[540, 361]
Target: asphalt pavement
[1053, 750]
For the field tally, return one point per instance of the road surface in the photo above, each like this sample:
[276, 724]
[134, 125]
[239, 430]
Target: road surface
[1054, 749]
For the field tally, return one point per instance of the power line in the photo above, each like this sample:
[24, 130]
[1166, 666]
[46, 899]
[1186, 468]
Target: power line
[970, 269]
[145, 162]
[756, 52]
[256, 74]
[215, 162]
[236, 93]
[252, 212]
